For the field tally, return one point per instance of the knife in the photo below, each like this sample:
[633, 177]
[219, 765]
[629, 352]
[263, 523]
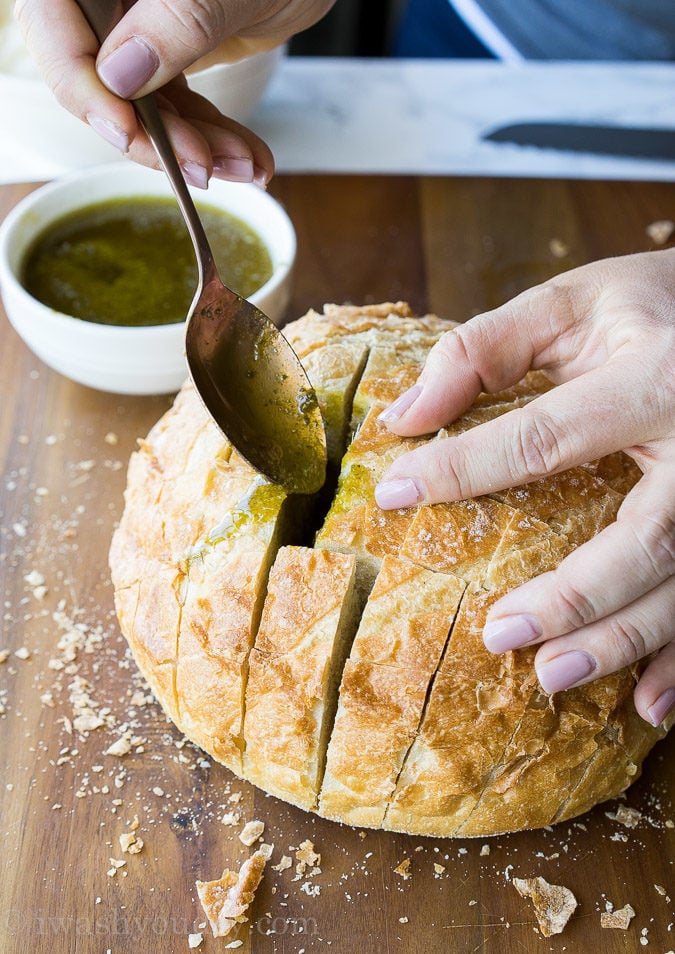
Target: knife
[627, 141]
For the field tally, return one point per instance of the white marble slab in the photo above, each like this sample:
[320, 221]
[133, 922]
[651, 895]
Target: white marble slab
[392, 116]
[427, 116]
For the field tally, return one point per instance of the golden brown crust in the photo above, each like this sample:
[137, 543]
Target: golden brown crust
[417, 726]
[395, 653]
[224, 901]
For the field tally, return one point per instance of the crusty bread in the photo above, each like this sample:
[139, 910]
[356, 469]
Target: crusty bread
[331, 652]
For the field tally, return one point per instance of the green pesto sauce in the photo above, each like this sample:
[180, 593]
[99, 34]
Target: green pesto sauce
[355, 486]
[131, 261]
[260, 505]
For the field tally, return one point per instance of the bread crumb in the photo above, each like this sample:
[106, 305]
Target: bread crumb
[230, 818]
[120, 747]
[130, 843]
[4, 655]
[194, 940]
[127, 838]
[251, 832]
[660, 231]
[111, 438]
[22, 653]
[225, 900]
[484, 851]
[402, 869]
[438, 869]
[307, 857]
[284, 864]
[630, 817]
[159, 792]
[620, 918]
[403, 920]
[554, 904]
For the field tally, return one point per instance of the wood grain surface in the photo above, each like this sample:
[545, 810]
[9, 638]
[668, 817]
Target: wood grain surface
[456, 246]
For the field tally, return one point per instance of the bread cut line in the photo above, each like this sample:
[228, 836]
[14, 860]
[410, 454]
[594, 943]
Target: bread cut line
[331, 652]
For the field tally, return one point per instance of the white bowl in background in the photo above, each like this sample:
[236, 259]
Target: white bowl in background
[237, 88]
[127, 360]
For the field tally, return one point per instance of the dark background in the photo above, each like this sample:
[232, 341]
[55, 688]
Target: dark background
[351, 28]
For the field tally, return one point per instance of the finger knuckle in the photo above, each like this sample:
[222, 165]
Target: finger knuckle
[626, 640]
[577, 609]
[450, 475]
[538, 447]
[656, 538]
[201, 22]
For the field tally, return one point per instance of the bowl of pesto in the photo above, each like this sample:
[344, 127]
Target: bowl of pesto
[97, 271]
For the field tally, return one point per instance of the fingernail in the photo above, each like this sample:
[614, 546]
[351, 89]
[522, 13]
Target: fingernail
[565, 670]
[394, 494]
[237, 170]
[260, 177]
[662, 708]
[195, 175]
[129, 67]
[510, 632]
[400, 405]
[109, 131]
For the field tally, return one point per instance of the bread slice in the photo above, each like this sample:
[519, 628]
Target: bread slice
[397, 648]
[222, 599]
[306, 629]
[474, 705]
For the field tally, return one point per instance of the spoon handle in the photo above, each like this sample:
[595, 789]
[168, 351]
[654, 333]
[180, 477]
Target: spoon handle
[149, 115]
[102, 15]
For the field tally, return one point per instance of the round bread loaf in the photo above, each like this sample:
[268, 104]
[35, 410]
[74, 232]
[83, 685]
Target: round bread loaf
[331, 652]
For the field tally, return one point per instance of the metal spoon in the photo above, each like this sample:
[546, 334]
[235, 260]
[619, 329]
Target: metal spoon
[245, 371]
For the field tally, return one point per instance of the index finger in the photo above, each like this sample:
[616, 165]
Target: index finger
[581, 420]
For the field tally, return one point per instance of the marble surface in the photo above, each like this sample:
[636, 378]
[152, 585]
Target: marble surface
[391, 116]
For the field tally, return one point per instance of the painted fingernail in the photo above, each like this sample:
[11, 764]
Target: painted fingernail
[260, 177]
[109, 131]
[511, 632]
[195, 175]
[129, 67]
[394, 494]
[237, 170]
[400, 405]
[662, 708]
[565, 670]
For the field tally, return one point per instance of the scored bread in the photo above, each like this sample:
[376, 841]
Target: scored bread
[331, 652]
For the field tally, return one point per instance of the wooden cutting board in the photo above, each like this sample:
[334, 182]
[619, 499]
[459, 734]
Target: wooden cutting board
[68, 689]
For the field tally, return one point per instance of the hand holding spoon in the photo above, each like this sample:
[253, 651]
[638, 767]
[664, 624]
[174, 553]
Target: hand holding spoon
[245, 371]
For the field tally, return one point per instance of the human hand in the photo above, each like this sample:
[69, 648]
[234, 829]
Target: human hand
[147, 51]
[605, 334]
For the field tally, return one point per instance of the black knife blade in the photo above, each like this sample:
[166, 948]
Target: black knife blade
[626, 141]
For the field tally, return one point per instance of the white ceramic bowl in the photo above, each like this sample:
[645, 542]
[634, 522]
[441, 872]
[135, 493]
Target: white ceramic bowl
[127, 360]
[237, 88]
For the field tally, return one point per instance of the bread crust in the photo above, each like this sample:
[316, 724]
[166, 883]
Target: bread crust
[409, 725]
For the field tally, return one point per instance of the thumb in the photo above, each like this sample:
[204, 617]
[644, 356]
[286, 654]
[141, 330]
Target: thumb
[158, 39]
